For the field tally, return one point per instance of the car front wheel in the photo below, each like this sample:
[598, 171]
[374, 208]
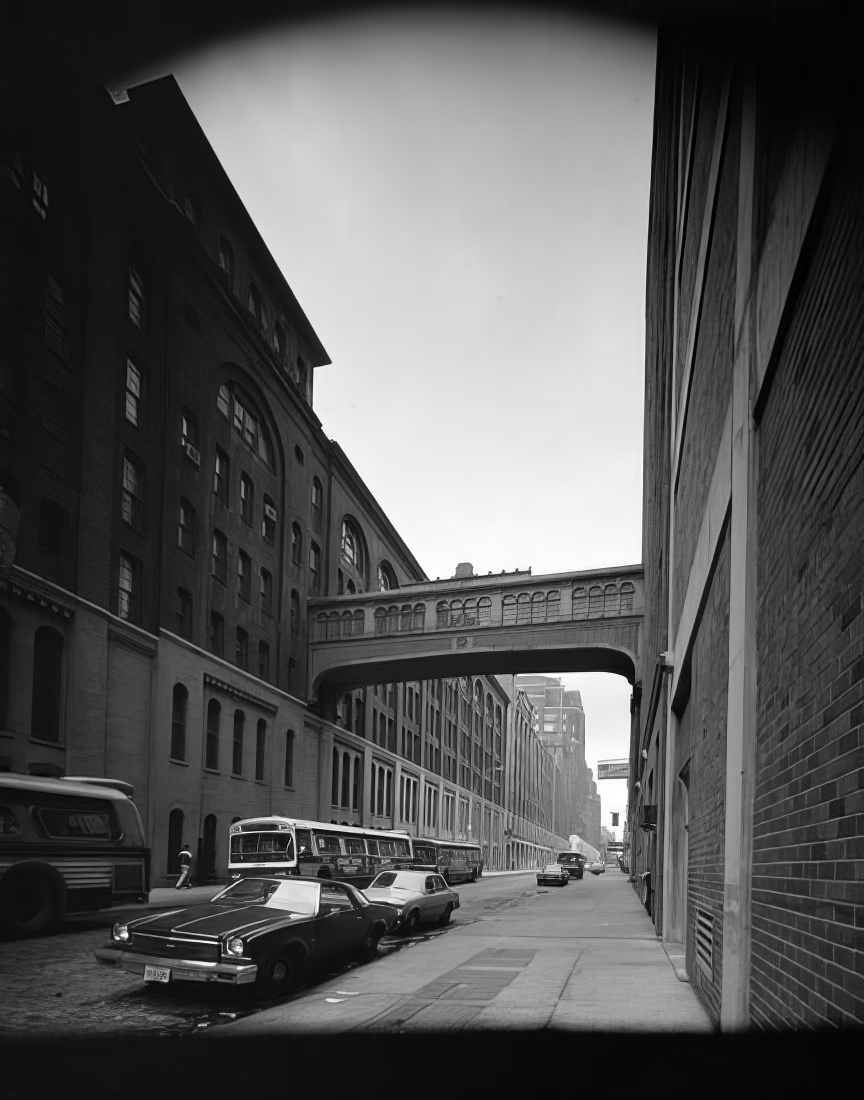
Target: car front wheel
[280, 974]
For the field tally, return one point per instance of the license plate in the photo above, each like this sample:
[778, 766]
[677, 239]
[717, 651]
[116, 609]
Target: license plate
[157, 974]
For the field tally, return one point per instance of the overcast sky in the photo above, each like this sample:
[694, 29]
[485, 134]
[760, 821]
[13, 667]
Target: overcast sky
[459, 202]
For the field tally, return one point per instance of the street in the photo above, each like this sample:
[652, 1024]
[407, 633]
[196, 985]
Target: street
[53, 985]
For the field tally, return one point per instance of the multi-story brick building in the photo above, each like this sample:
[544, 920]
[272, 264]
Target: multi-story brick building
[747, 799]
[170, 503]
[561, 728]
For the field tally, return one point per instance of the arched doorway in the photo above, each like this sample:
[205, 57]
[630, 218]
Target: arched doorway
[175, 842]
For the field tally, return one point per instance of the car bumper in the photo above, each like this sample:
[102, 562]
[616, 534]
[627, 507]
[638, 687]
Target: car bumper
[184, 970]
[541, 881]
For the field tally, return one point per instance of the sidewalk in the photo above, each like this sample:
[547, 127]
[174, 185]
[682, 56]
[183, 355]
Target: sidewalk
[584, 959]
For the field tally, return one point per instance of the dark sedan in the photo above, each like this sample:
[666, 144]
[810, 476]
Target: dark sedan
[261, 930]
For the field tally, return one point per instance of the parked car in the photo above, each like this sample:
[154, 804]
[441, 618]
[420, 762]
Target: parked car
[597, 867]
[553, 874]
[262, 930]
[415, 897]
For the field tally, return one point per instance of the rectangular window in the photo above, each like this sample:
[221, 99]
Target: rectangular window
[186, 528]
[241, 649]
[247, 497]
[314, 569]
[221, 474]
[263, 661]
[184, 614]
[265, 592]
[136, 298]
[268, 522]
[133, 393]
[217, 634]
[219, 557]
[131, 504]
[129, 589]
[244, 576]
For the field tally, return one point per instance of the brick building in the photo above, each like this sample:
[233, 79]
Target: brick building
[170, 502]
[747, 808]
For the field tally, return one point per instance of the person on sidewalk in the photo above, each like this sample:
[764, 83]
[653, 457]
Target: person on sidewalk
[185, 857]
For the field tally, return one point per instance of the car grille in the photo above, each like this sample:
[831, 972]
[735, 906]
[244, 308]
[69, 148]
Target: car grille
[169, 947]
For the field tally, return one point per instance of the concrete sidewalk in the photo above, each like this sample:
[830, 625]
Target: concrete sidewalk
[582, 958]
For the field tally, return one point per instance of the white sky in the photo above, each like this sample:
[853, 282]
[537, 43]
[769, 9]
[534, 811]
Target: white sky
[459, 202]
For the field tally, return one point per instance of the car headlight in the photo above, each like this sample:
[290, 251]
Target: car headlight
[121, 933]
[234, 946]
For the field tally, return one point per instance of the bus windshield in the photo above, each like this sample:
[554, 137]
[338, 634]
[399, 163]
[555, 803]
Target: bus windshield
[569, 857]
[262, 847]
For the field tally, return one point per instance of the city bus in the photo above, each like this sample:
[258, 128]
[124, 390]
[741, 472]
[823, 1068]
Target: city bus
[457, 862]
[67, 845]
[290, 846]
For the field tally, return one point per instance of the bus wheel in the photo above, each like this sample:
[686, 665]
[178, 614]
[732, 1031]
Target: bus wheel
[31, 904]
[445, 916]
[280, 974]
[411, 922]
[473, 877]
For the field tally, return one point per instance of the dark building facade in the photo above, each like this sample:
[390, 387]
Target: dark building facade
[747, 808]
[170, 502]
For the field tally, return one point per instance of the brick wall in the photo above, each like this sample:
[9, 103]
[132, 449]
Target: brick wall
[704, 723]
[808, 870]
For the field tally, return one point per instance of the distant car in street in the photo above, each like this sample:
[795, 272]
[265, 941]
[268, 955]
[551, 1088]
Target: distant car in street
[553, 874]
[573, 862]
[597, 867]
[265, 931]
[413, 898]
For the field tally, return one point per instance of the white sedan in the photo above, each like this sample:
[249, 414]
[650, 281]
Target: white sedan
[418, 897]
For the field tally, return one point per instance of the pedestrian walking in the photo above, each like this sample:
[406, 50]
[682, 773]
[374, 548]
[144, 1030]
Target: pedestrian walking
[185, 857]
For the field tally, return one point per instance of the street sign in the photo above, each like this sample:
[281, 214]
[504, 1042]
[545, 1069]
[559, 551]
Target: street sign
[613, 769]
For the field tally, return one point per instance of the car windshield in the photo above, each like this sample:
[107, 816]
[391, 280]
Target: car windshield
[399, 880]
[551, 867]
[295, 897]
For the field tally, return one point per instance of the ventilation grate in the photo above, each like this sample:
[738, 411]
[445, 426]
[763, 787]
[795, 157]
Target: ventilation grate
[705, 941]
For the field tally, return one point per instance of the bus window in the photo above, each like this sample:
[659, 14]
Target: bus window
[386, 848]
[327, 845]
[76, 822]
[403, 848]
[354, 846]
[424, 853]
[372, 847]
[9, 823]
[304, 844]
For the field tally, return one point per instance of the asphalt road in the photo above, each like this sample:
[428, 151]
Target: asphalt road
[53, 986]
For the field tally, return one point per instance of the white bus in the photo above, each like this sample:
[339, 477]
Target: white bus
[292, 846]
[67, 845]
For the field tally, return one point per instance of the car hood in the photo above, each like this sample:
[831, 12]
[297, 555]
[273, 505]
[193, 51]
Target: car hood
[215, 920]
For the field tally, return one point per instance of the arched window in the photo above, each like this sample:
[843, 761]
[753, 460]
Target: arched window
[260, 748]
[419, 616]
[538, 607]
[47, 684]
[386, 577]
[175, 842]
[237, 753]
[610, 599]
[595, 600]
[523, 608]
[406, 617]
[296, 544]
[484, 611]
[352, 552]
[580, 603]
[627, 596]
[553, 604]
[442, 614]
[334, 779]
[289, 758]
[509, 610]
[180, 699]
[211, 748]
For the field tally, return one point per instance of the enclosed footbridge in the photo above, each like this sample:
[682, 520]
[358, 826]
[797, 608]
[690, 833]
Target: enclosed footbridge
[587, 621]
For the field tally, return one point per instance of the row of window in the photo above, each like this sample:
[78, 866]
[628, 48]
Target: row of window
[536, 607]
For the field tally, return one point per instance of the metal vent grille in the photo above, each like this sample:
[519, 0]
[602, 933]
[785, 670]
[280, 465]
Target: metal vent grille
[705, 942]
